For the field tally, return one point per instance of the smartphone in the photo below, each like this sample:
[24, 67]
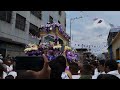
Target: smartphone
[29, 63]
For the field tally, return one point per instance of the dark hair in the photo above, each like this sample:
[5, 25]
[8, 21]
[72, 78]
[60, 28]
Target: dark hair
[94, 63]
[57, 67]
[107, 76]
[9, 77]
[87, 69]
[112, 64]
[101, 62]
[74, 68]
[62, 60]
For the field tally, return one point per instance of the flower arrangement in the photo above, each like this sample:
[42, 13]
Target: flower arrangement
[31, 47]
[68, 48]
[32, 50]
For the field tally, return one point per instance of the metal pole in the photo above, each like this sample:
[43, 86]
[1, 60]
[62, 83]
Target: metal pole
[70, 27]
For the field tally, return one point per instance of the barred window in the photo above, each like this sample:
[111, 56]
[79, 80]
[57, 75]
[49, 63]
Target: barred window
[37, 14]
[20, 22]
[6, 16]
[34, 30]
[50, 19]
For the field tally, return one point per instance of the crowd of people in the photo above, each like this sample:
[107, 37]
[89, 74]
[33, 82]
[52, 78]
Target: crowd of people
[60, 64]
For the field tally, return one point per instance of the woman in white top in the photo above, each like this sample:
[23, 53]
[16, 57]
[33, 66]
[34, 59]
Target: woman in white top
[9, 67]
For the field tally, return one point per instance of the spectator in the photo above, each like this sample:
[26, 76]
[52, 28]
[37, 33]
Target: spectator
[57, 67]
[86, 71]
[100, 69]
[8, 64]
[74, 70]
[66, 74]
[111, 67]
[94, 65]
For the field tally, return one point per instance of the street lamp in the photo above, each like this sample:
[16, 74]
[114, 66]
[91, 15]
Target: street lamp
[70, 26]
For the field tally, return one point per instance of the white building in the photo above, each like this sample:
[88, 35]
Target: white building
[16, 26]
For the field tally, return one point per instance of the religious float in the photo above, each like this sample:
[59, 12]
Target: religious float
[54, 32]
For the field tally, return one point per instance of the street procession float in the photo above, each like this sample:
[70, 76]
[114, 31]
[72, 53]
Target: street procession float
[54, 41]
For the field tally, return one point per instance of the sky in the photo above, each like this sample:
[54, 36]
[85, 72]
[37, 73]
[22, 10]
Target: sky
[88, 31]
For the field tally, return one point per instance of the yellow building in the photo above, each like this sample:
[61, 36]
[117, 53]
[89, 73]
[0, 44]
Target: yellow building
[116, 46]
[51, 35]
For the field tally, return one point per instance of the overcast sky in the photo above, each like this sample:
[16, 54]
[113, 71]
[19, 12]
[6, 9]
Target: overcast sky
[89, 32]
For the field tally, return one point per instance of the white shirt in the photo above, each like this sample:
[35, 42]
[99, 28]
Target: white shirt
[75, 76]
[4, 74]
[9, 68]
[96, 74]
[13, 73]
[115, 72]
[64, 76]
[79, 72]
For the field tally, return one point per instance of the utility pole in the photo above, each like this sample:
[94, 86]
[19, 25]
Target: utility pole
[71, 25]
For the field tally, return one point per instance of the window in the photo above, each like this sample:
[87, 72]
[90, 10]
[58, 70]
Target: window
[20, 22]
[50, 19]
[34, 30]
[58, 21]
[37, 14]
[60, 13]
[6, 16]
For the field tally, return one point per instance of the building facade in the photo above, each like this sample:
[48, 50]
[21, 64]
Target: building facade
[116, 47]
[112, 34]
[18, 28]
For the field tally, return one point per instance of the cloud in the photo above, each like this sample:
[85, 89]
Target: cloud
[90, 37]
[87, 32]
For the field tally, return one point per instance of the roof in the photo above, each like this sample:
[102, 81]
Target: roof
[118, 34]
[115, 29]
